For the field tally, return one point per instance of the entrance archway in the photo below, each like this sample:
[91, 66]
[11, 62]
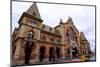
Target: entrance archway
[58, 52]
[28, 50]
[51, 54]
[42, 53]
[74, 52]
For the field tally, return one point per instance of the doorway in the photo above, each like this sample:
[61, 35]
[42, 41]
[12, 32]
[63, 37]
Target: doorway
[51, 54]
[28, 50]
[42, 53]
[58, 53]
[74, 52]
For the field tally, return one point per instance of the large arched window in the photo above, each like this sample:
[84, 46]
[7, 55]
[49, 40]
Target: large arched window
[70, 35]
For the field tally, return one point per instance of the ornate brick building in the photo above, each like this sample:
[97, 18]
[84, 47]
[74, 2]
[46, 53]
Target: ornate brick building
[34, 42]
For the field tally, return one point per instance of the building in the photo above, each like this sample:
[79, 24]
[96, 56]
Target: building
[85, 47]
[34, 42]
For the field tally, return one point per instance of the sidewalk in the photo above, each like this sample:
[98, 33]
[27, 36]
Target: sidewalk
[73, 60]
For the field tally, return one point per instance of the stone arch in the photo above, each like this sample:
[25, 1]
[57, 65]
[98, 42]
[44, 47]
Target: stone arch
[28, 51]
[58, 52]
[75, 52]
[42, 53]
[51, 54]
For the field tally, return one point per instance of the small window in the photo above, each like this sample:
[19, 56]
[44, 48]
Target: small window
[43, 26]
[34, 14]
[52, 39]
[50, 29]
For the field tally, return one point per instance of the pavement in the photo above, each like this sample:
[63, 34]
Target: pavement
[73, 60]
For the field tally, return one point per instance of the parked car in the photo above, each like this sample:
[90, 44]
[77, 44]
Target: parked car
[84, 58]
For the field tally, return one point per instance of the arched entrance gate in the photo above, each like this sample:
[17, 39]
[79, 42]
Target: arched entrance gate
[54, 54]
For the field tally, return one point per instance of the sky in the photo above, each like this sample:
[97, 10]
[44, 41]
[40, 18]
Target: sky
[83, 16]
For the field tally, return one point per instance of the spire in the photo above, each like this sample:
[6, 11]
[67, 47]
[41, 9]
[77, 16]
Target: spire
[61, 22]
[69, 19]
[33, 10]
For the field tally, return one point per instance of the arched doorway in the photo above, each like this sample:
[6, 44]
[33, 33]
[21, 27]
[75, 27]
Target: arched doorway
[58, 53]
[28, 50]
[74, 52]
[51, 54]
[42, 53]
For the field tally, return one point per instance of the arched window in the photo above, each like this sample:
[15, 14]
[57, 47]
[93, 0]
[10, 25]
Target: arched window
[70, 35]
[43, 37]
[30, 34]
[33, 23]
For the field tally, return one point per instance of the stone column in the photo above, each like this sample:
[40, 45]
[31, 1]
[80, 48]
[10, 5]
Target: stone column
[37, 59]
[63, 52]
[16, 55]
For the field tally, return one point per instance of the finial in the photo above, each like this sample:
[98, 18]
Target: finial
[61, 21]
[69, 18]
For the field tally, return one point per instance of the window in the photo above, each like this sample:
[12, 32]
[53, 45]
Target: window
[70, 35]
[43, 37]
[67, 36]
[50, 29]
[30, 35]
[52, 39]
[34, 14]
[30, 22]
[43, 26]
[34, 23]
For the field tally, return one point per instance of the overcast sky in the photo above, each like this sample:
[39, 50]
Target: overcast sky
[83, 16]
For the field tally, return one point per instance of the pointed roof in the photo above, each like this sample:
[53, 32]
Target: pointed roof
[33, 10]
[82, 36]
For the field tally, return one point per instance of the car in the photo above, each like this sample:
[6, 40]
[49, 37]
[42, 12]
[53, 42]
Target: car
[84, 58]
